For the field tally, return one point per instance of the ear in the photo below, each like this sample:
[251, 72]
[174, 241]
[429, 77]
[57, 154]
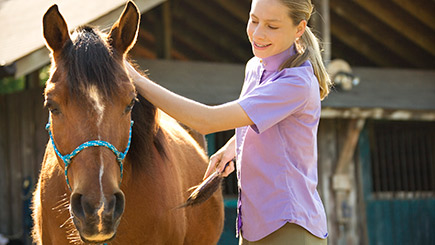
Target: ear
[123, 34]
[300, 29]
[55, 29]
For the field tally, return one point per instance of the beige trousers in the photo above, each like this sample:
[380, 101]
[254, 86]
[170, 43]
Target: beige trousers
[288, 234]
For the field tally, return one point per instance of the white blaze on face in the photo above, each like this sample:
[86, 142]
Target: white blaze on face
[95, 97]
[97, 101]
[102, 198]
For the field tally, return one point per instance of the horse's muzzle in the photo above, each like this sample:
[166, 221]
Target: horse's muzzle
[97, 221]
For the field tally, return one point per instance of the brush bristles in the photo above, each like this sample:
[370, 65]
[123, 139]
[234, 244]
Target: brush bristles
[203, 191]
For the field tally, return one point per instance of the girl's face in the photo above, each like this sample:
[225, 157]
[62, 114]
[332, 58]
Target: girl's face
[270, 28]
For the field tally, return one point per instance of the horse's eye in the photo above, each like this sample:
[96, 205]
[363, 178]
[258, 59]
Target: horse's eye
[52, 107]
[130, 106]
[54, 111]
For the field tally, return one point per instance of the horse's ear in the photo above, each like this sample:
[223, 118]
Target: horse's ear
[55, 29]
[123, 34]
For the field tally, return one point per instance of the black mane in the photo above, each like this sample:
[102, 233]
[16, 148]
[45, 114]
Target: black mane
[146, 133]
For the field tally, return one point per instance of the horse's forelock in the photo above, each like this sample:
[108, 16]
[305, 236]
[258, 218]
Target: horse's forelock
[90, 62]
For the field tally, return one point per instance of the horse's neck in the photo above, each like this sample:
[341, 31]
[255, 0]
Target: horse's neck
[147, 134]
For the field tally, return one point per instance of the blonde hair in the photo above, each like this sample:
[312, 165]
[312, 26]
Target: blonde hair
[307, 45]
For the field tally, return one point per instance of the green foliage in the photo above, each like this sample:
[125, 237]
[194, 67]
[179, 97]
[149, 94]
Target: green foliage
[12, 85]
[44, 75]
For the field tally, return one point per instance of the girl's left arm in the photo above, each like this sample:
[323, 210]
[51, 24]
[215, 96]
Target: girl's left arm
[203, 118]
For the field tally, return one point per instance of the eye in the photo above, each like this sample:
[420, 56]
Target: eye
[273, 27]
[253, 20]
[52, 107]
[130, 106]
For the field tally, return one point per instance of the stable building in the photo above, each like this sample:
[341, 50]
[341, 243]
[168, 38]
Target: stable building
[376, 139]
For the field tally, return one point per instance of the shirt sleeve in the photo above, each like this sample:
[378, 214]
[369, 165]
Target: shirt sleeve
[272, 101]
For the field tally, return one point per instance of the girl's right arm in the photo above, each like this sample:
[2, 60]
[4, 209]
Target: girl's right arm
[221, 157]
[203, 118]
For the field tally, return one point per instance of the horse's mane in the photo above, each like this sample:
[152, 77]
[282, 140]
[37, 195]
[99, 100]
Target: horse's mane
[89, 61]
[146, 133]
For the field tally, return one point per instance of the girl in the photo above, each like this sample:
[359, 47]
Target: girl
[276, 120]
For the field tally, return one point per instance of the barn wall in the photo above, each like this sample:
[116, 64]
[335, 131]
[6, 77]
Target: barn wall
[331, 138]
[22, 145]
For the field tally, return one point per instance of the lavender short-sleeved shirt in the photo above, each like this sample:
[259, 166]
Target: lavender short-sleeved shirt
[277, 156]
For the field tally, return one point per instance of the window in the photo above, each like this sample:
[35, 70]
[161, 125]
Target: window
[402, 158]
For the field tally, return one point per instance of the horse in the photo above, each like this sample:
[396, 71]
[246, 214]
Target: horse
[115, 167]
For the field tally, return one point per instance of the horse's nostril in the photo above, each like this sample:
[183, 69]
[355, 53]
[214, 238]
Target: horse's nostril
[119, 205]
[76, 205]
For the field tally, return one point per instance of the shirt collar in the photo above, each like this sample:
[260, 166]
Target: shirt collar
[272, 63]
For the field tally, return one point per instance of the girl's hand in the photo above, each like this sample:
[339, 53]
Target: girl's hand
[221, 158]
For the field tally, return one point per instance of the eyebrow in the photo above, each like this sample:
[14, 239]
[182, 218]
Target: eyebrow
[268, 20]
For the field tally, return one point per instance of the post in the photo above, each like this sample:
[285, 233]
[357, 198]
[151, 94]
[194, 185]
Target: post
[164, 32]
[320, 21]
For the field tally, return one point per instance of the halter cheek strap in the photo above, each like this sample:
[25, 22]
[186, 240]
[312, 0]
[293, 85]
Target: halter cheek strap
[67, 158]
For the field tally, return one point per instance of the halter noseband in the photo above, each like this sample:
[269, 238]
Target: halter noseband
[67, 158]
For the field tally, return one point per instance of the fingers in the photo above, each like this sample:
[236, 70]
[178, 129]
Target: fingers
[211, 167]
[219, 167]
[229, 169]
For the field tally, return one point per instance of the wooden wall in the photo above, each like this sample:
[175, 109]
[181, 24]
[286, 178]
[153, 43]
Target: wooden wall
[22, 144]
[331, 140]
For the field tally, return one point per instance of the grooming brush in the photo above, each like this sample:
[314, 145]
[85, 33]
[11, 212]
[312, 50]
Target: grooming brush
[205, 190]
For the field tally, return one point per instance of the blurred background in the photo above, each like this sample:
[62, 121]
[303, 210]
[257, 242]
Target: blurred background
[376, 138]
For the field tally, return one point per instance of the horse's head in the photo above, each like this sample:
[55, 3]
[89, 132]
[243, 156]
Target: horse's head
[90, 97]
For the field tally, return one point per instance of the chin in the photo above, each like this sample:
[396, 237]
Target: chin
[97, 240]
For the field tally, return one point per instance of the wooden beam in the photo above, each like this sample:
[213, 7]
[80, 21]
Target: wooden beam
[191, 43]
[341, 50]
[423, 10]
[35, 60]
[353, 131]
[178, 55]
[380, 32]
[236, 8]
[377, 113]
[235, 28]
[163, 31]
[394, 17]
[32, 80]
[320, 21]
[188, 47]
[139, 51]
[4, 167]
[361, 43]
[216, 41]
[145, 46]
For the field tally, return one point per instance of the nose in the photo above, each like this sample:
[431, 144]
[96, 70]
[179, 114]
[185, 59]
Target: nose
[93, 217]
[258, 33]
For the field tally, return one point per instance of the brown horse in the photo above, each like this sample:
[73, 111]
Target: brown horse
[88, 192]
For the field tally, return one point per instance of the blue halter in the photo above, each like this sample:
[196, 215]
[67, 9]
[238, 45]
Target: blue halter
[67, 158]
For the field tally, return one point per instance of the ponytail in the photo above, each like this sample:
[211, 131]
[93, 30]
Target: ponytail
[307, 45]
[308, 49]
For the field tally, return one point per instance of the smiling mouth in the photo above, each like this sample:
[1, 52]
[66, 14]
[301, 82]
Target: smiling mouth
[261, 46]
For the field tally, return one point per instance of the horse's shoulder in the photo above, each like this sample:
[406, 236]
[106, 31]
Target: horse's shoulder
[177, 133]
